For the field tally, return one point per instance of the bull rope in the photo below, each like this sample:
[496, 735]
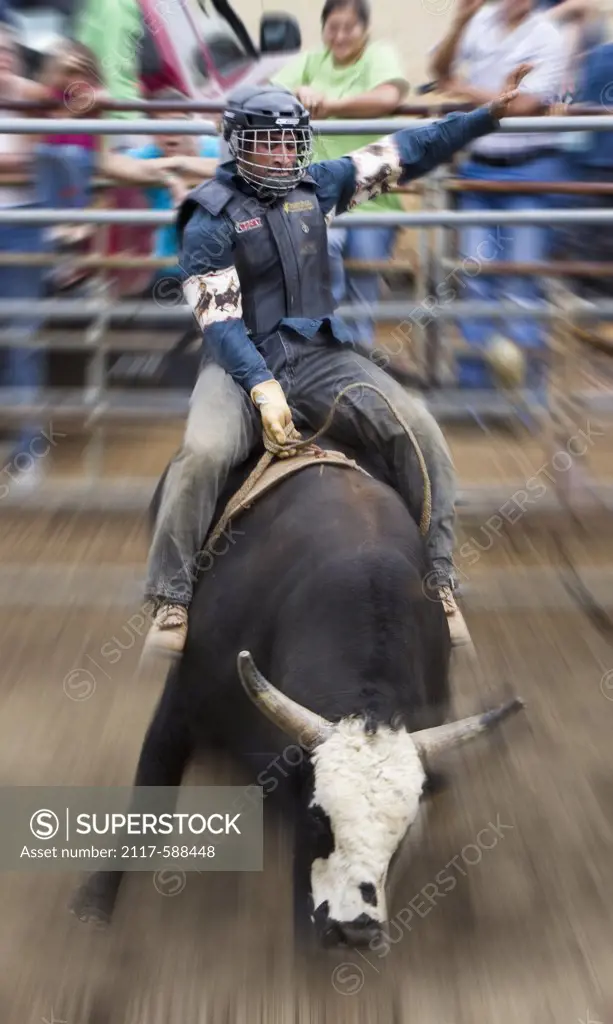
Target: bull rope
[274, 450]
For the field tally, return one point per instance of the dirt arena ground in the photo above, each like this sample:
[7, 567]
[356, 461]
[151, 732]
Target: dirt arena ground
[524, 935]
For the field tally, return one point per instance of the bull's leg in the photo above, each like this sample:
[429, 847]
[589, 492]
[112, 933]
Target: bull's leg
[164, 756]
[302, 903]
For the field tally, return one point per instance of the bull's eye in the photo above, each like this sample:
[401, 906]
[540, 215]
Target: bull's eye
[369, 893]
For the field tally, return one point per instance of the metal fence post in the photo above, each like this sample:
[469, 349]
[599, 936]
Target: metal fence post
[95, 380]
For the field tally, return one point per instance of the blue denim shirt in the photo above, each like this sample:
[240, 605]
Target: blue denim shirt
[420, 150]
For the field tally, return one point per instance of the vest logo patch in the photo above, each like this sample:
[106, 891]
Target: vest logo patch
[304, 204]
[249, 225]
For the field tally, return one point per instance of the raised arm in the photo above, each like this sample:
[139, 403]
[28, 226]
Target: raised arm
[212, 289]
[528, 104]
[409, 153]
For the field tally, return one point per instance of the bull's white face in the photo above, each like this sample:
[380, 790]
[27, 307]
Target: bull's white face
[368, 788]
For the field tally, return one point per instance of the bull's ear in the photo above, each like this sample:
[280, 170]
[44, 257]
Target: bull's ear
[443, 737]
[304, 727]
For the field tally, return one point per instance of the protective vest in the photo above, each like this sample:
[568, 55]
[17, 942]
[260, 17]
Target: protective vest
[280, 253]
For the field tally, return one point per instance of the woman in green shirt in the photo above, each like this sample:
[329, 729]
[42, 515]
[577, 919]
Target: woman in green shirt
[350, 77]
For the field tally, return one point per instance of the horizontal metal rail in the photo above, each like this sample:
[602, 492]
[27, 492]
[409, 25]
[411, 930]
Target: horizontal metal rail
[71, 339]
[417, 218]
[13, 179]
[120, 405]
[217, 106]
[119, 495]
[551, 268]
[450, 184]
[93, 586]
[93, 262]
[358, 126]
[51, 259]
[569, 188]
[140, 312]
[209, 106]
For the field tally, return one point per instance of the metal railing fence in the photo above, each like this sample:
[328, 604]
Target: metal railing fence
[98, 404]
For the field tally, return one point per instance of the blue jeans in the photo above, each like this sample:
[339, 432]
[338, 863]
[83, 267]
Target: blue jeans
[480, 244]
[358, 244]
[63, 175]
[223, 427]
[23, 368]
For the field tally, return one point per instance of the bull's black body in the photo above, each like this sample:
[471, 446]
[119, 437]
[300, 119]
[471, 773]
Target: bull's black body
[322, 582]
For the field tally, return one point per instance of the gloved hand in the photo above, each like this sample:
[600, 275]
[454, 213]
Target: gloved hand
[276, 416]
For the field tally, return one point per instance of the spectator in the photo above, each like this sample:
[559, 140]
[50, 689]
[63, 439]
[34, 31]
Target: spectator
[483, 46]
[350, 77]
[177, 162]
[184, 159]
[583, 26]
[591, 161]
[24, 368]
[113, 31]
[66, 163]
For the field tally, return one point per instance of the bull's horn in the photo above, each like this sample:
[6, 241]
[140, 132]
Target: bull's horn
[443, 737]
[301, 725]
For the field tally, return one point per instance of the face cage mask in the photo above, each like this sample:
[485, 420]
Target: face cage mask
[270, 181]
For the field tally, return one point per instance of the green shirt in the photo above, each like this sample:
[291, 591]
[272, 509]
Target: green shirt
[378, 65]
[113, 30]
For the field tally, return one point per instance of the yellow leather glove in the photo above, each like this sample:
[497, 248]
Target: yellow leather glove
[276, 416]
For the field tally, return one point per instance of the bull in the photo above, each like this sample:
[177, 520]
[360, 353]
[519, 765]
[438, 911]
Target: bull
[312, 626]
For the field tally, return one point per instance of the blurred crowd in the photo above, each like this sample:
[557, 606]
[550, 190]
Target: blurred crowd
[352, 74]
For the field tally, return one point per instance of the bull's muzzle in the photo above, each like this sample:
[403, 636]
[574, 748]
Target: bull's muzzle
[360, 932]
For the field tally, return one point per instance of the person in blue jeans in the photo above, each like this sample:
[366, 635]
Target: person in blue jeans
[483, 44]
[23, 367]
[510, 244]
[361, 289]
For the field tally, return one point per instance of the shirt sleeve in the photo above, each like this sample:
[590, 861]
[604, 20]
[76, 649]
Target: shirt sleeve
[209, 146]
[545, 81]
[335, 181]
[212, 288]
[384, 67]
[293, 74]
[116, 41]
[465, 48]
[143, 153]
[408, 154]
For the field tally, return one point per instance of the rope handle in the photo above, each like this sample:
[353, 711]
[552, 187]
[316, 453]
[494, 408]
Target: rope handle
[295, 447]
[298, 446]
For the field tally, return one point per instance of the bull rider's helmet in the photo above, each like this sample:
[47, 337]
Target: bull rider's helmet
[263, 117]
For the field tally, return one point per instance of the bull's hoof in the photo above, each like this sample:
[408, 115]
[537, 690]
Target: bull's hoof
[94, 901]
